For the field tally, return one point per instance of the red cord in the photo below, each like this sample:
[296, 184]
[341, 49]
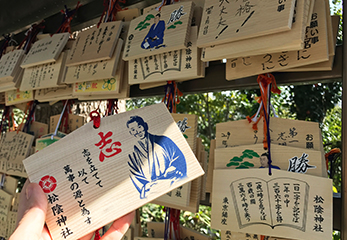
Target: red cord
[95, 117]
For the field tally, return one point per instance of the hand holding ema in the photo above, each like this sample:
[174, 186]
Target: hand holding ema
[32, 215]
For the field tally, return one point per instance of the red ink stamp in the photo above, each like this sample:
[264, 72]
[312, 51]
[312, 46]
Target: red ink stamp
[48, 184]
[110, 150]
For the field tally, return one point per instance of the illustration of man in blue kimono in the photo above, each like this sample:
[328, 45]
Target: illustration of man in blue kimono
[264, 161]
[155, 161]
[155, 35]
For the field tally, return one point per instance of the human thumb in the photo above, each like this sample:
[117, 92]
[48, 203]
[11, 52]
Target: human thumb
[31, 213]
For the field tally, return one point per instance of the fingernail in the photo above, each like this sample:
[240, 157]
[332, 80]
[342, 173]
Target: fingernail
[29, 191]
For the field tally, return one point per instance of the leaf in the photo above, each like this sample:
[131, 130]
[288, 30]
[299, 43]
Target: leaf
[255, 154]
[185, 136]
[236, 159]
[242, 167]
[172, 26]
[149, 17]
[179, 22]
[232, 164]
[248, 164]
[250, 153]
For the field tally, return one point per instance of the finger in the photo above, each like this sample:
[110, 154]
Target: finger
[45, 234]
[31, 213]
[119, 227]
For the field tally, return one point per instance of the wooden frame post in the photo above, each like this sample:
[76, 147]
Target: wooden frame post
[344, 132]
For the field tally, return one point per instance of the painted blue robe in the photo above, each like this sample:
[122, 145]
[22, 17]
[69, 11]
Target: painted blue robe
[164, 161]
[156, 30]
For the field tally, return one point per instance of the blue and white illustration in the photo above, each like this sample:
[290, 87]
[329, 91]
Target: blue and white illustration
[155, 160]
[155, 35]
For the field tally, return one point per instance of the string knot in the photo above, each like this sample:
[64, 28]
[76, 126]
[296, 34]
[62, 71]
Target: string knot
[95, 117]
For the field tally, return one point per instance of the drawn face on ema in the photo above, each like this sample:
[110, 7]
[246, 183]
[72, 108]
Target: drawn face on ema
[264, 161]
[156, 18]
[137, 130]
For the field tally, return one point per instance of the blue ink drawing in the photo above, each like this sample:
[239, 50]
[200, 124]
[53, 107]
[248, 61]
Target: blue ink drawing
[155, 35]
[155, 159]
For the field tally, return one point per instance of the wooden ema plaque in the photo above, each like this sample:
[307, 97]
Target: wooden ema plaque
[201, 74]
[38, 129]
[174, 65]
[8, 86]
[210, 167]
[95, 44]
[123, 93]
[54, 94]
[5, 205]
[327, 65]
[44, 142]
[159, 31]
[95, 70]
[11, 223]
[75, 122]
[194, 198]
[10, 185]
[14, 148]
[97, 87]
[187, 123]
[178, 197]
[15, 97]
[46, 50]
[229, 21]
[111, 162]
[285, 204]
[44, 75]
[157, 230]
[290, 159]
[9, 64]
[286, 132]
[315, 50]
[283, 41]
[228, 235]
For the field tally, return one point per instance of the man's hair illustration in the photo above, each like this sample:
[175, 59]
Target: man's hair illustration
[265, 154]
[139, 121]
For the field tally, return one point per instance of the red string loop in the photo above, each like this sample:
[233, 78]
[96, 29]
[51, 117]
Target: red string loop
[265, 81]
[95, 117]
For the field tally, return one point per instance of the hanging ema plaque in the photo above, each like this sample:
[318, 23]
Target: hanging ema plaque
[133, 157]
[159, 31]
[287, 205]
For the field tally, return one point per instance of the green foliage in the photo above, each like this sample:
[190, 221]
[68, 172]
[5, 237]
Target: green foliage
[247, 164]
[200, 221]
[237, 159]
[232, 164]
[172, 27]
[336, 235]
[331, 134]
[144, 24]
[317, 102]
[336, 9]
[311, 102]
[249, 154]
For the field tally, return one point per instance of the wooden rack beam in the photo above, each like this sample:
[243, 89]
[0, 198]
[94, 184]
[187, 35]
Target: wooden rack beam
[215, 80]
